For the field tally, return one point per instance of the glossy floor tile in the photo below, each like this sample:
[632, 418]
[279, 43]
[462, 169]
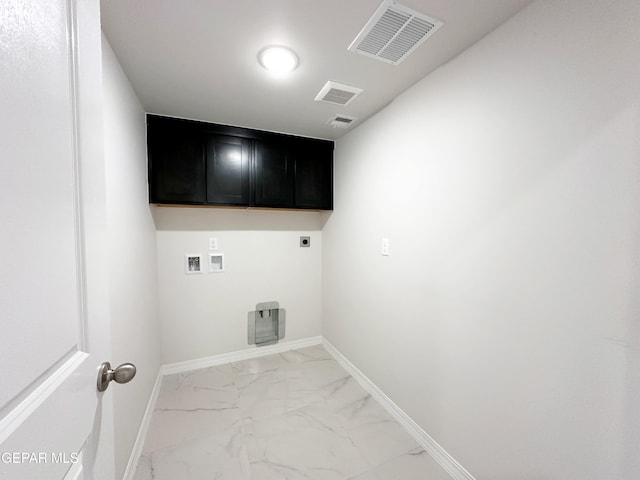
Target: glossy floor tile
[297, 415]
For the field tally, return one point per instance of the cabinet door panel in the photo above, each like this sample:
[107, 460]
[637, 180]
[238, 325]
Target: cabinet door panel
[273, 176]
[314, 180]
[176, 167]
[227, 170]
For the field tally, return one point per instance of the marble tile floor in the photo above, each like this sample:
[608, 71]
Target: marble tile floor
[297, 415]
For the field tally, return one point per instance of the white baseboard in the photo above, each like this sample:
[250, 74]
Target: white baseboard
[238, 355]
[190, 365]
[440, 455]
[144, 428]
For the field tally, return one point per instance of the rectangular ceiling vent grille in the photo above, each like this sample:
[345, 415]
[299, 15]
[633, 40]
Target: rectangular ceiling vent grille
[393, 33]
[337, 93]
[341, 121]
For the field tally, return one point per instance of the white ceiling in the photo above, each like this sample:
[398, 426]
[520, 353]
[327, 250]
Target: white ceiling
[198, 58]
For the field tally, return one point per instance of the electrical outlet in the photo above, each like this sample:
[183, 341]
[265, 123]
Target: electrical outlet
[213, 243]
[385, 247]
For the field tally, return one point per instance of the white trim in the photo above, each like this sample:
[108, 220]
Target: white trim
[142, 431]
[76, 472]
[190, 365]
[238, 355]
[439, 454]
[29, 405]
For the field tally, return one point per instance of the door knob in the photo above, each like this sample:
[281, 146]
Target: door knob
[122, 374]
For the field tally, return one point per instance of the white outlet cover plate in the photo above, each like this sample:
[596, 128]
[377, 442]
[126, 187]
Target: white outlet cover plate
[385, 247]
[213, 243]
[216, 262]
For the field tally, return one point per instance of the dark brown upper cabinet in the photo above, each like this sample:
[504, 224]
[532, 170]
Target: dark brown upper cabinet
[274, 175]
[227, 170]
[199, 163]
[314, 178]
[176, 164]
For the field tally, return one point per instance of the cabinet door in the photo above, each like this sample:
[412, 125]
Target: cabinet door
[274, 173]
[176, 166]
[314, 179]
[227, 170]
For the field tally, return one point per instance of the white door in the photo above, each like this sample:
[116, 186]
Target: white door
[51, 414]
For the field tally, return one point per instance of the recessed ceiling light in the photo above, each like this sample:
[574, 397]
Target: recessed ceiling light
[278, 59]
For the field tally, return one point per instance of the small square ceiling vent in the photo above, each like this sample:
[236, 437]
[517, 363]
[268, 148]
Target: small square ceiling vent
[393, 33]
[341, 121]
[337, 93]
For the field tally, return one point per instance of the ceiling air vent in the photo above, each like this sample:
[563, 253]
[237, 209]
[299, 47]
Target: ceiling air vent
[341, 121]
[393, 33]
[337, 93]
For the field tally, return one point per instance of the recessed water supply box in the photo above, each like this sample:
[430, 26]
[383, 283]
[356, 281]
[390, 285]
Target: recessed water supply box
[266, 325]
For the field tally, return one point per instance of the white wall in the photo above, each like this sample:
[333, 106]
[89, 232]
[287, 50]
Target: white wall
[204, 315]
[131, 253]
[505, 320]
